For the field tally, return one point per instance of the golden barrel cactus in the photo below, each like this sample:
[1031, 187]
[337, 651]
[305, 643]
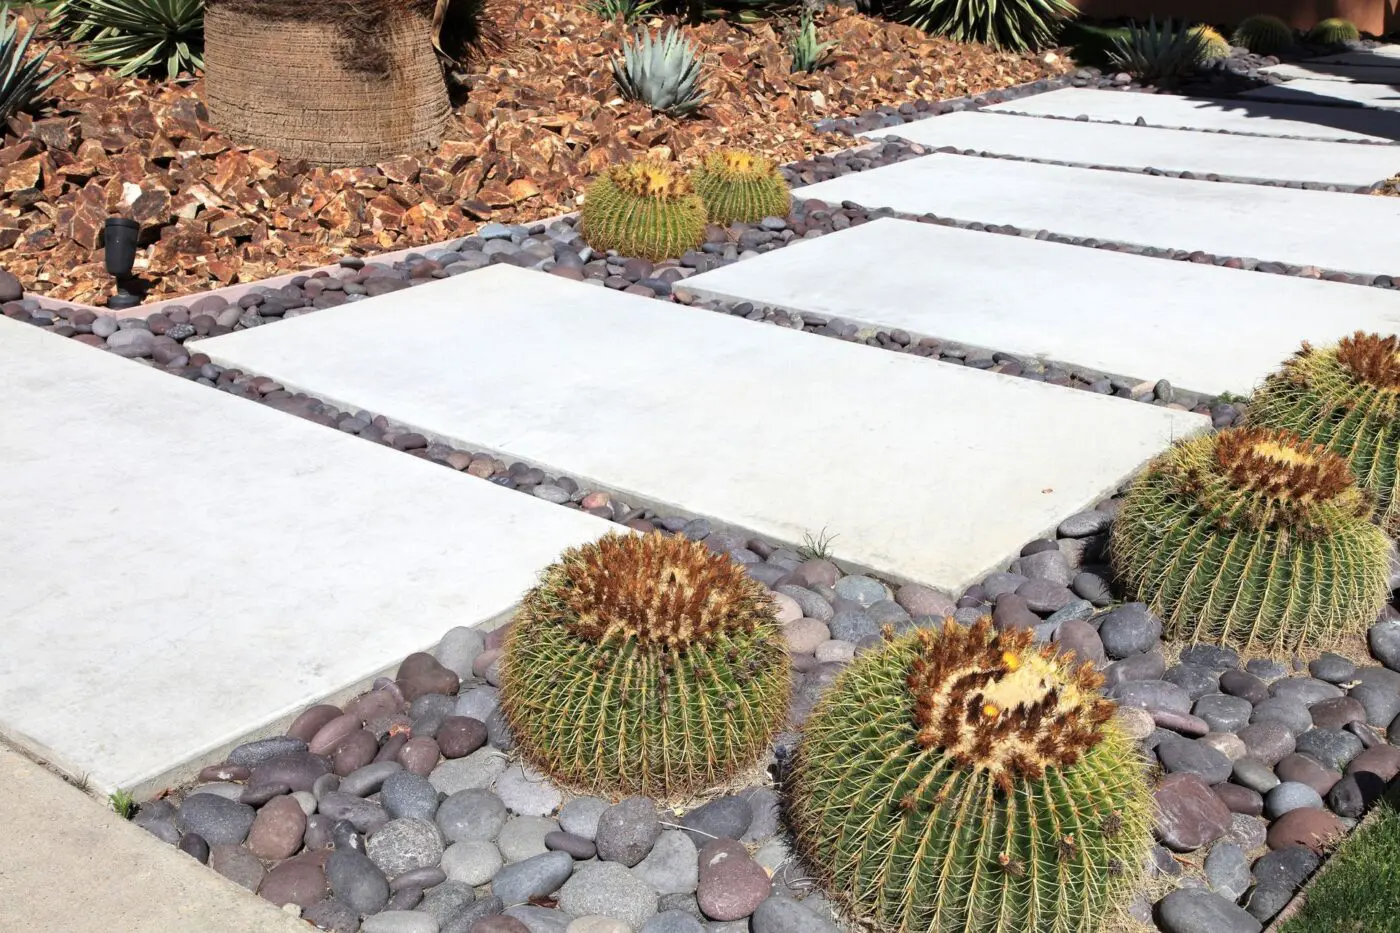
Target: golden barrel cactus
[645, 209]
[741, 187]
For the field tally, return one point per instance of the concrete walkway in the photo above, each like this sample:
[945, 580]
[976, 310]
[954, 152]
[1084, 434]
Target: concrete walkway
[70, 865]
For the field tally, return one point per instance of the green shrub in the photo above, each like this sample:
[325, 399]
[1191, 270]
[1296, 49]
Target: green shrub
[1155, 53]
[1347, 399]
[645, 665]
[663, 73]
[965, 780]
[741, 187]
[24, 81]
[628, 11]
[1252, 538]
[808, 52]
[135, 36]
[1017, 25]
[1334, 31]
[646, 209]
[1264, 35]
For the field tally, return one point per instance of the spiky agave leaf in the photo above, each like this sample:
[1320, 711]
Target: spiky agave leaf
[964, 780]
[1334, 31]
[808, 52]
[1017, 25]
[741, 187]
[1254, 538]
[136, 36]
[1347, 398]
[663, 73]
[21, 81]
[1263, 34]
[1158, 53]
[645, 664]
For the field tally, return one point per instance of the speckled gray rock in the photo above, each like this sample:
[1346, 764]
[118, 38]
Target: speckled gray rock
[1332, 747]
[1196, 679]
[400, 921]
[403, 845]
[476, 771]
[472, 861]
[1306, 690]
[539, 876]
[1267, 741]
[447, 900]
[1193, 910]
[1223, 713]
[220, 821]
[458, 649]
[852, 625]
[671, 866]
[1290, 795]
[1384, 639]
[780, 914]
[627, 831]
[524, 837]
[536, 919]
[812, 605]
[608, 890]
[1193, 757]
[580, 816]
[1227, 870]
[479, 702]
[251, 754]
[471, 814]
[357, 881]
[528, 792]
[673, 921]
[1152, 694]
[722, 818]
[405, 794]
[862, 589]
[1129, 629]
[1285, 711]
[1382, 704]
[1046, 565]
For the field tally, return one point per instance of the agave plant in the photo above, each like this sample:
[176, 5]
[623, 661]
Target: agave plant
[135, 36]
[807, 51]
[1014, 24]
[23, 81]
[629, 11]
[663, 73]
[1158, 53]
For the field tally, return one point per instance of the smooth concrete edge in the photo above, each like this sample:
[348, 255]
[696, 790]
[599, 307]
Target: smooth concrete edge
[72, 864]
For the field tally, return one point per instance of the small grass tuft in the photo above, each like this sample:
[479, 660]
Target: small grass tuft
[816, 548]
[123, 804]
[1356, 893]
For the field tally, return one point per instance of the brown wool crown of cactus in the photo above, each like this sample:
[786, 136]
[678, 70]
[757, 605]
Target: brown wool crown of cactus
[996, 703]
[651, 179]
[665, 592]
[1371, 358]
[1279, 465]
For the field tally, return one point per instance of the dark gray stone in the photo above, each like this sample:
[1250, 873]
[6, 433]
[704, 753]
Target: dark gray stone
[1193, 757]
[779, 914]
[1128, 630]
[1227, 870]
[251, 754]
[1332, 747]
[1215, 657]
[1254, 774]
[405, 794]
[627, 831]
[1290, 795]
[356, 881]
[722, 818]
[539, 876]
[1196, 679]
[1193, 910]
[220, 821]
[1223, 713]
[471, 814]
[1152, 694]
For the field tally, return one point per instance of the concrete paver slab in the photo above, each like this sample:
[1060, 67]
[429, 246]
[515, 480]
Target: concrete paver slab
[184, 568]
[1330, 93]
[1380, 56]
[1361, 74]
[927, 473]
[65, 864]
[1202, 327]
[1348, 232]
[1111, 144]
[1207, 113]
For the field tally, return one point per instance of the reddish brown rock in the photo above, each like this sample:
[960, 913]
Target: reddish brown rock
[1307, 826]
[300, 880]
[421, 673]
[354, 752]
[278, 829]
[1189, 814]
[732, 884]
[459, 736]
[1380, 760]
[328, 737]
[420, 755]
[1306, 770]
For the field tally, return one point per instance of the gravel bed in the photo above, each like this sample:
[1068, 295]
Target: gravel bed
[404, 811]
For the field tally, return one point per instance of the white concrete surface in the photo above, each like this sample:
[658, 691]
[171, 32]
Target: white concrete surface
[1361, 74]
[1206, 113]
[1346, 232]
[1204, 328]
[68, 863]
[924, 472]
[184, 568]
[1330, 93]
[1381, 55]
[1111, 144]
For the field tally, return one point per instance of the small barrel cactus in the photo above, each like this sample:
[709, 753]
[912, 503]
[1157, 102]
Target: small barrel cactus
[1263, 34]
[1254, 538]
[965, 780]
[741, 187]
[645, 665]
[646, 209]
[1347, 399]
[1334, 31]
[1214, 46]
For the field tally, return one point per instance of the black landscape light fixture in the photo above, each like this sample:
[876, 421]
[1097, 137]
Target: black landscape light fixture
[119, 249]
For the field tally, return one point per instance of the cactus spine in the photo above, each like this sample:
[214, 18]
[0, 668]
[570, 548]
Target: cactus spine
[644, 665]
[741, 187]
[1347, 399]
[1214, 46]
[645, 209]
[1254, 538]
[965, 780]
[1334, 31]
[1263, 34]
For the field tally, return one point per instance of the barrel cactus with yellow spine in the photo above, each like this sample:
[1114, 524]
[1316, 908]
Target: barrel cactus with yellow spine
[646, 209]
[1334, 31]
[1252, 538]
[967, 780]
[1346, 398]
[741, 187]
[645, 665]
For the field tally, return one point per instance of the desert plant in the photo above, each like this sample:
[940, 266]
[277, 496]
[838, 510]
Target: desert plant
[663, 73]
[1263, 34]
[1255, 538]
[135, 36]
[1214, 46]
[123, 804]
[807, 50]
[645, 664]
[741, 187]
[1158, 53]
[628, 11]
[21, 82]
[816, 547]
[1334, 31]
[1015, 24]
[965, 780]
[1347, 399]
[646, 209]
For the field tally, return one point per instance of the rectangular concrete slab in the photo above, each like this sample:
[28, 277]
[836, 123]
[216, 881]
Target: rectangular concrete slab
[1202, 327]
[184, 568]
[1138, 147]
[1207, 113]
[1329, 93]
[1361, 74]
[1380, 56]
[1346, 232]
[924, 472]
